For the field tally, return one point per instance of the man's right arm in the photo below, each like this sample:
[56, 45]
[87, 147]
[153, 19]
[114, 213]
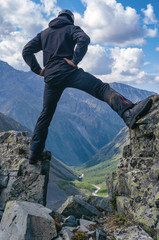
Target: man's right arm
[30, 48]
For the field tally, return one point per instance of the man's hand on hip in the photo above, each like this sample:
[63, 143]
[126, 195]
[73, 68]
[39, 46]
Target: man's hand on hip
[42, 72]
[70, 62]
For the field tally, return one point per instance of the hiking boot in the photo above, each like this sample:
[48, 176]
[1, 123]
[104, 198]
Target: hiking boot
[131, 116]
[34, 157]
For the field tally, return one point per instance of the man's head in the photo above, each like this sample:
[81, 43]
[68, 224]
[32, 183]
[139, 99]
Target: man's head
[68, 13]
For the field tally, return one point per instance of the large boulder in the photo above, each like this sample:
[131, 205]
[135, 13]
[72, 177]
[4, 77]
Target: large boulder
[20, 180]
[27, 221]
[134, 188]
[77, 207]
[101, 203]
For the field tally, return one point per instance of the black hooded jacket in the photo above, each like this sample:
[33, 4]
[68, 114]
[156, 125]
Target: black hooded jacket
[61, 39]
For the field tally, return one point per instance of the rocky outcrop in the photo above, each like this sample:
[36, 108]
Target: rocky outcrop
[20, 180]
[27, 221]
[134, 188]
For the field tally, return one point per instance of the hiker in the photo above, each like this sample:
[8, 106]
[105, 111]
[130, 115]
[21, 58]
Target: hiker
[64, 46]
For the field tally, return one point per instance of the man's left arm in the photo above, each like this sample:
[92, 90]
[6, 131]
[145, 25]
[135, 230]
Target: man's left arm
[29, 51]
[82, 41]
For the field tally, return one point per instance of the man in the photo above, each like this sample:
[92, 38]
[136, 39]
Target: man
[64, 46]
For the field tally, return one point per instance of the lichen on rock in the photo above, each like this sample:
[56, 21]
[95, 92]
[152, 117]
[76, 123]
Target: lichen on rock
[135, 185]
[20, 180]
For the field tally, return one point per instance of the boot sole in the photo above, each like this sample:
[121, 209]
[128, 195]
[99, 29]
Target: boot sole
[142, 113]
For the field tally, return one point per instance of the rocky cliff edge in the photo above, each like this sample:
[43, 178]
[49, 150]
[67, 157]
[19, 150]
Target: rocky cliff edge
[134, 187]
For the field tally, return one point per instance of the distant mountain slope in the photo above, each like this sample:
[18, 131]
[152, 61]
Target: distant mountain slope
[111, 150]
[59, 186]
[105, 161]
[81, 125]
[7, 123]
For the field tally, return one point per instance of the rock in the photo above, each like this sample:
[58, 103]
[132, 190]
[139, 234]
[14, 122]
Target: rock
[77, 207]
[86, 223]
[100, 234]
[1, 215]
[66, 233]
[83, 229]
[133, 233]
[134, 187]
[3, 180]
[123, 204]
[70, 221]
[101, 203]
[20, 180]
[4, 136]
[25, 220]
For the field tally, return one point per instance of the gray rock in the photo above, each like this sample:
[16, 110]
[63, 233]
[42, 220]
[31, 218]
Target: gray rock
[100, 234]
[102, 203]
[20, 180]
[66, 233]
[134, 186]
[4, 136]
[3, 181]
[77, 207]
[86, 223]
[133, 233]
[70, 221]
[27, 220]
[1, 215]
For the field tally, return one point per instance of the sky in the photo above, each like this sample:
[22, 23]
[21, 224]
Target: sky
[124, 36]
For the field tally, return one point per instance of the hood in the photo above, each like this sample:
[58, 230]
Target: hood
[60, 21]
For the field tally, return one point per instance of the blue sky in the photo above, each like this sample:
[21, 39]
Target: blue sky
[124, 36]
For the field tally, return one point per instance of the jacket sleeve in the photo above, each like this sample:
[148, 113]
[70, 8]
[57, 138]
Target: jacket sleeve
[30, 48]
[82, 41]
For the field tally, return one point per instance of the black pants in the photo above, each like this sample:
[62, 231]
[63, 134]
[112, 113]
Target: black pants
[80, 80]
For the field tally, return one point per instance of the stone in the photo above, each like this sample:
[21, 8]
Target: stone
[133, 233]
[3, 181]
[101, 203]
[100, 234]
[86, 223]
[20, 180]
[134, 187]
[27, 220]
[4, 136]
[70, 221]
[123, 204]
[66, 233]
[77, 207]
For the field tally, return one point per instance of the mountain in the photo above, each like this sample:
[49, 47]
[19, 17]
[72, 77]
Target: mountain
[60, 184]
[81, 125]
[110, 150]
[104, 161]
[7, 123]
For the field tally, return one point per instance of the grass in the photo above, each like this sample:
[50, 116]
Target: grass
[97, 174]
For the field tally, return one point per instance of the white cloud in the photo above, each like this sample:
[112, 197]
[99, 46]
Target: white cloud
[50, 7]
[97, 61]
[20, 20]
[149, 15]
[108, 22]
[157, 49]
[105, 21]
[127, 67]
